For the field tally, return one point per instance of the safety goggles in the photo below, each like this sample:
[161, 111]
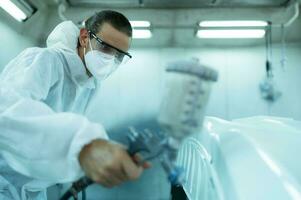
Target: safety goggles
[120, 56]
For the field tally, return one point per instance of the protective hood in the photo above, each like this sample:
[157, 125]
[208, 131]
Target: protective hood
[64, 36]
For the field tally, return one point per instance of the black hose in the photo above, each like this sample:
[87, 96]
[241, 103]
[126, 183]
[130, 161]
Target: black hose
[76, 188]
[84, 194]
[178, 193]
[68, 195]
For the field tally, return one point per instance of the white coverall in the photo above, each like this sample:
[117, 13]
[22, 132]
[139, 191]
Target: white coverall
[43, 94]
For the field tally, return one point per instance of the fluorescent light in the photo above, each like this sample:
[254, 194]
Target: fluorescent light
[228, 34]
[140, 24]
[292, 190]
[141, 34]
[13, 10]
[233, 24]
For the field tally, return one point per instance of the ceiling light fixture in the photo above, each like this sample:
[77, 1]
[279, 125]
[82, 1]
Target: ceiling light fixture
[246, 23]
[140, 24]
[230, 34]
[13, 10]
[142, 34]
[21, 10]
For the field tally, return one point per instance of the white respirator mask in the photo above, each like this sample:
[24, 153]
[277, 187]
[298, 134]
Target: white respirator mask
[101, 65]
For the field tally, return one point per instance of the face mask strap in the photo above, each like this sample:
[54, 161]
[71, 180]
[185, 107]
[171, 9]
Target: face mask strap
[85, 49]
[91, 49]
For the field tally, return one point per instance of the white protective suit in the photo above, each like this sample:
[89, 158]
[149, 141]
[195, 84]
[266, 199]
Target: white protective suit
[43, 94]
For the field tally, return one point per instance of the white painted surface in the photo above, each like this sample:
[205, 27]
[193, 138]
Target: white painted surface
[237, 160]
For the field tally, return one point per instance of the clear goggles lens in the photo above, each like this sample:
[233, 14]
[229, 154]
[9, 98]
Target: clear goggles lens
[119, 56]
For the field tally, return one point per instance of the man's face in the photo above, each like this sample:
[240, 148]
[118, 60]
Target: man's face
[108, 40]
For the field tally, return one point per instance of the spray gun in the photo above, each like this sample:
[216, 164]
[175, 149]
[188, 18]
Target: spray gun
[186, 93]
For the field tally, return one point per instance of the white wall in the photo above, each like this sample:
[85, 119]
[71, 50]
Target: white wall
[12, 43]
[240, 70]
[134, 92]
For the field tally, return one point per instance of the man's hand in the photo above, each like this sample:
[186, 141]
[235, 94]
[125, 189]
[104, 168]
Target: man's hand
[108, 163]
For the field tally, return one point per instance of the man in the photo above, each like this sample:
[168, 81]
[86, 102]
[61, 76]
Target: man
[43, 95]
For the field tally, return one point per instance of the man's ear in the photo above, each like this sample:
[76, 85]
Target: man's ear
[83, 37]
